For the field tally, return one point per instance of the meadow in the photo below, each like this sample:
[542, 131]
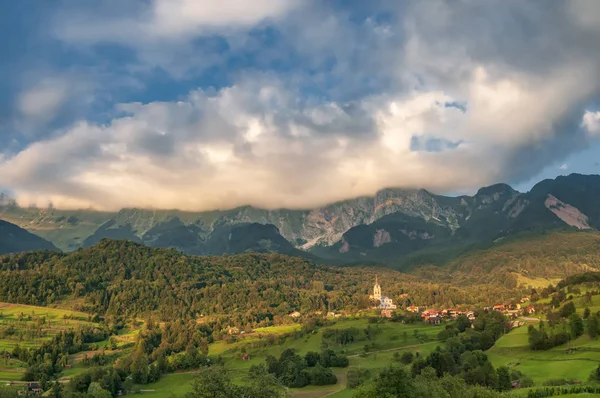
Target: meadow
[391, 338]
[512, 350]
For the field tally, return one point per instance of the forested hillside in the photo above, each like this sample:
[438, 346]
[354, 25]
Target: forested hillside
[510, 261]
[122, 278]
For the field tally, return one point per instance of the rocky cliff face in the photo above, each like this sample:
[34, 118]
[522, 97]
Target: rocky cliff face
[406, 220]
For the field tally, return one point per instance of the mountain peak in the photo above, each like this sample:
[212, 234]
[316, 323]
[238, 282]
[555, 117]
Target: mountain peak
[500, 188]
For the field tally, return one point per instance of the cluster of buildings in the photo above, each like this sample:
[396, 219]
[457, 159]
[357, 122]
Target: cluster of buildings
[513, 309]
[435, 317]
[386, 305]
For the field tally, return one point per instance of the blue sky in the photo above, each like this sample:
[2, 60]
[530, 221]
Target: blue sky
[291, 103]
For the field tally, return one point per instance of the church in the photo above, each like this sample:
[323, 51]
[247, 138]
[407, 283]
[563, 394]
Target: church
[385, 303]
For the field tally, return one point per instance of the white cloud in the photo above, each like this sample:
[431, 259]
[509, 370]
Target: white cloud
[591, 122]
[253, 143]
[564, 166]
[162, 20]
[263, 142]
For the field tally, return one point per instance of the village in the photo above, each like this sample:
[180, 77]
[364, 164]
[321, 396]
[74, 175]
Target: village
[435, 316]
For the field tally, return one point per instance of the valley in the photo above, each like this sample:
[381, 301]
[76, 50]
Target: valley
[154, 320]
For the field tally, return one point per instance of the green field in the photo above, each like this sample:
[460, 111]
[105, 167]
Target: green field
[174, 383]
[278, 329]
[512, 350]
[390, 339]
[30, 326]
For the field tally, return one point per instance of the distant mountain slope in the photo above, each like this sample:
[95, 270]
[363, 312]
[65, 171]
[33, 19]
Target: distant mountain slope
[522, 258]
[393, 224]
[250, 237]
[14, 239]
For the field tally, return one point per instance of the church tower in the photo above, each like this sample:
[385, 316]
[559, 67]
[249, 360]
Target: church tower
[376, 290]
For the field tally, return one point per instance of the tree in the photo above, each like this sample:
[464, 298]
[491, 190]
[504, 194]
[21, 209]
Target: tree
[56, 391]
[595, 376]
[463, 323]
[586, 313]
[575, 325]
[262, 384]
[593, 326]
[213, 382]
[95, 390]
[391, 382]
[312, 358]
[407, 357]
[139, 369]
[567, 309]
[504, 383]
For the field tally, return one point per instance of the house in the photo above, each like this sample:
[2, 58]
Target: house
[434, 320]
[386, 313]
[470, 315]
[525, 299]
[233, 330]
[295, 314]
[530, 309]
[245, 357]
[499, 307]
[33, 388]
[450, 312]
[413, 308]
[429, 313]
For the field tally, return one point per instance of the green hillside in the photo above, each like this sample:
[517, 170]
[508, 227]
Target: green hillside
[528, 256]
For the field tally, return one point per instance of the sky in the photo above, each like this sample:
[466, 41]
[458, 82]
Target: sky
[200, 105]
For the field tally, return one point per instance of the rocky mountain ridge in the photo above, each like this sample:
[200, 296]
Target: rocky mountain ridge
[391, 223]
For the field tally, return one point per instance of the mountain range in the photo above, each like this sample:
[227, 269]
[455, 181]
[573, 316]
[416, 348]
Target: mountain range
[389, 227]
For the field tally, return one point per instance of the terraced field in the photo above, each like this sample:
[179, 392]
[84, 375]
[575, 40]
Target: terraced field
[30, 326]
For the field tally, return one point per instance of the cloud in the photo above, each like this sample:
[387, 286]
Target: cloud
[43, 101]
[591, 122]
[445, 97]
[179, 36]
[166, 19]
[564, 166]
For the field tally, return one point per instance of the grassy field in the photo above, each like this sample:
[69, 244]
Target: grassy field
[278, 329]
[392, 337]
[171, 384]
[390, 340]
[30, 326]
[512, 350]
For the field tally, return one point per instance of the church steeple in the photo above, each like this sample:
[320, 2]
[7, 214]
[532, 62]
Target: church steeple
[376, 290]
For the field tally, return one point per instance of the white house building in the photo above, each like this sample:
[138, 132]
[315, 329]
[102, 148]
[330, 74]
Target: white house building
[385, 303]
